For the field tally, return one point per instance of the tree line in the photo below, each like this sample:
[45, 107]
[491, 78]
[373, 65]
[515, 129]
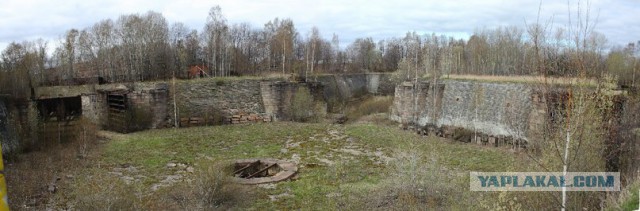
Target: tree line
[138, 47]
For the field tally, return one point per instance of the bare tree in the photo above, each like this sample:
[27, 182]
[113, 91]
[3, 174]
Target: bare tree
[313, 44]
[215, 36]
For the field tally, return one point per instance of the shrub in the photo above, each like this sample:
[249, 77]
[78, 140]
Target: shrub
[626, 199]
[32, 171]
[211, 189]
[415, 184]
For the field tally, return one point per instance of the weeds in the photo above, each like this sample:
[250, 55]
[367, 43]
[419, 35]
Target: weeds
[210, 189]
[104, 192]
[421, 174]
[371, 105]
[627, 199]
[36, 175]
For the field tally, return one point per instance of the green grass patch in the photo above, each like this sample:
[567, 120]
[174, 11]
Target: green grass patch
[465, 157]
[627, 199]
[368, 166]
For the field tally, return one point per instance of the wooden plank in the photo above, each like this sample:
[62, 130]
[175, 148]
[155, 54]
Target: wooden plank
[120, 100]
[117, 105]
[261, 170]
[246, 167]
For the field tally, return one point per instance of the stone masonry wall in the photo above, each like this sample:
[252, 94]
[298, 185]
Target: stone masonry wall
[91, 108]
[344, 87]
[148, 102]
[278, 98]
[19, 118]
[7, 138]
[218, 101]
[496, 109]
[152, 99]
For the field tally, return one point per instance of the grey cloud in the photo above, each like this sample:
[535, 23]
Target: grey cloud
[349, 19]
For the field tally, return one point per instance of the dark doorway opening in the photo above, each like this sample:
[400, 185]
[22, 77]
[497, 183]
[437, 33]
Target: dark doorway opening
[60, 109]
[58, 119]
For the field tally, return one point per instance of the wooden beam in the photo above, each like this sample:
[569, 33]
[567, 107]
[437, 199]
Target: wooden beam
[261, 170]
[246, 167]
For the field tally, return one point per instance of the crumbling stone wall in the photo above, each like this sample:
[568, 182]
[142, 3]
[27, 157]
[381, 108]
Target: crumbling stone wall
[152, 98]
[217, 101]
[346, 86]
[220, 101]
[90, 107]
[496, 109]
[18, 121]
[341, 88]
[9, 142]
[278, 98]
[148, 101]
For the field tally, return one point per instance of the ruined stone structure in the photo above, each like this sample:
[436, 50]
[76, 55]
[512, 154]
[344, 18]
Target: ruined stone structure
[128, 107]
[349, 86]
[5, 134]
[278, 98]
[496, 113]
[500, 112]
[17, 117]
[238, 101]
[143, 105]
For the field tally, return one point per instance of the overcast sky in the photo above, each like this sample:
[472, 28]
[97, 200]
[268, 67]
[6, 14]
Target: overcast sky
[22, 20]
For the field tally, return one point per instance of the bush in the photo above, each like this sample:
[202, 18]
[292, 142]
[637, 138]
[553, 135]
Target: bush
[32, 173]
[211, 189]
[626, 199]
[417, 183]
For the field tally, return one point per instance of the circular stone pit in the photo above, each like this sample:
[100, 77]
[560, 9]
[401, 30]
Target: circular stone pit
[265, 170]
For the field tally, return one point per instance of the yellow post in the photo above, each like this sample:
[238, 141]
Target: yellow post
[4, 205]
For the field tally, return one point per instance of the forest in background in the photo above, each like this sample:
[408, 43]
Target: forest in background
[140, 47]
